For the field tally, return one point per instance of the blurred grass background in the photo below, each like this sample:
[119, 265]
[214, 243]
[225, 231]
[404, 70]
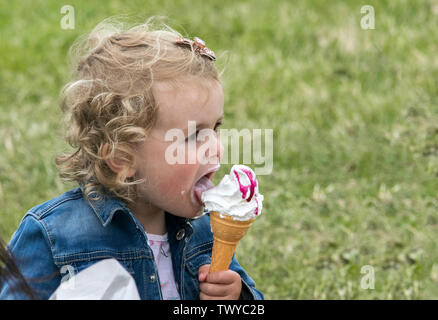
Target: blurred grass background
[354, 114]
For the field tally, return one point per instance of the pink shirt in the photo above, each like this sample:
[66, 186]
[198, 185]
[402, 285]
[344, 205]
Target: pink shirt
[160, 246]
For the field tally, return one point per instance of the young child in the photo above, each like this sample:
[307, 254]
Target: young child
[131, 87]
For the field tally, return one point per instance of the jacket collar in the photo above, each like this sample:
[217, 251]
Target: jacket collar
[106, 206]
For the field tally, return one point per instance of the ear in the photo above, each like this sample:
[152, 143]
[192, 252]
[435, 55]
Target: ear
[116, 165]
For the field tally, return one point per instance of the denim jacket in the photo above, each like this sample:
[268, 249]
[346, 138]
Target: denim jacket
[67, 234]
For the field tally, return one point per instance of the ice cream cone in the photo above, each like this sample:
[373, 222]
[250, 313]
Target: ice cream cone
[227, 232]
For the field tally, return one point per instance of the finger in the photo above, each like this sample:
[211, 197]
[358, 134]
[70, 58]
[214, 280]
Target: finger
[217, 290]
[222, 277]
[203, 272]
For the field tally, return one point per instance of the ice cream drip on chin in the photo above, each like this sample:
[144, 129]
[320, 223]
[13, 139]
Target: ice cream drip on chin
[237, 195]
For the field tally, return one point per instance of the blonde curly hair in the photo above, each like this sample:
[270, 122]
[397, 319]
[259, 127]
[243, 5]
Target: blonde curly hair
[109, 104]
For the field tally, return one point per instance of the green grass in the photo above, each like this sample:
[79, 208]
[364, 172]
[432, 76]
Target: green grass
[355, 122]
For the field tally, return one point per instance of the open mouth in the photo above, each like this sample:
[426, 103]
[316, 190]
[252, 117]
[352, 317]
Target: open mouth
[202, 185]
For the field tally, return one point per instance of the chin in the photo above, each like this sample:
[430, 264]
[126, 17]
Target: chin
[185, 211]
[198, 214]
[195, 213]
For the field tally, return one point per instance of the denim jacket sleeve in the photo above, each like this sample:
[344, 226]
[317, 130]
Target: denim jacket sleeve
[31, 249]
[249, 292]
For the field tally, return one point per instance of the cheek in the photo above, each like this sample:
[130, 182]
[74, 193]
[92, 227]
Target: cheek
[179, 178]
[172, 190]
[164, 179]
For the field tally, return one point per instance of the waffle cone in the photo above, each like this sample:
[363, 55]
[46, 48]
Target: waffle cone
[227, 233]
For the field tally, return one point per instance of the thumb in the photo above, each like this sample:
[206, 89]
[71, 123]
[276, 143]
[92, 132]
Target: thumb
[203, 272]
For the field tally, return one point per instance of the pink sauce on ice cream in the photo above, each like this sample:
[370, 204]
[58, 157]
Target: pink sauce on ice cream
[244, 189]
[251, 186]
[237, 195]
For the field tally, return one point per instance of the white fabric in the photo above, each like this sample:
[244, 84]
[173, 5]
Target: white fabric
[160, 246]
[104, 280]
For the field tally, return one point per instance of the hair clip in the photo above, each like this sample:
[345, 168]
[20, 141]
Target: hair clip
[198, 46]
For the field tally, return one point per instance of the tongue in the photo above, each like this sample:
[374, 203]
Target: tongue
[202, 185]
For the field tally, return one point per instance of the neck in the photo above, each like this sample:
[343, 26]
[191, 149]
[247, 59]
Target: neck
[151, 217]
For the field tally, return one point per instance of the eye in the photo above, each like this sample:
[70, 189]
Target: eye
[217, 126]
[193, 136]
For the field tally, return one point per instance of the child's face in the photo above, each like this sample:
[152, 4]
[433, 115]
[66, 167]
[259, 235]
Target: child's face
[170, 187]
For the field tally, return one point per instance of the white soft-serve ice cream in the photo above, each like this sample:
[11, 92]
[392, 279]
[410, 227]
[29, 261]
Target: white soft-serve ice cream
[237, 195]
